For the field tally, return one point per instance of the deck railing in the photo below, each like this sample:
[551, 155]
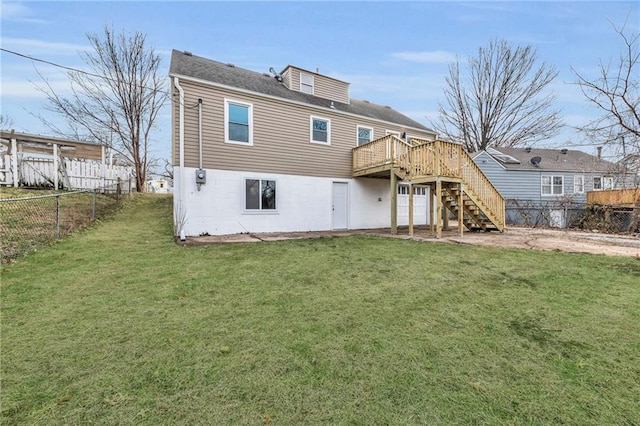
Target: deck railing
[616, 197]
[425, 158]
[389, 150]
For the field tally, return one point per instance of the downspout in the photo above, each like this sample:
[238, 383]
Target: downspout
[200, 133]
[176, 83]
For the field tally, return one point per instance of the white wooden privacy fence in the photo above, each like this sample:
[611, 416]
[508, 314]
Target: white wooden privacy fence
[71, 174]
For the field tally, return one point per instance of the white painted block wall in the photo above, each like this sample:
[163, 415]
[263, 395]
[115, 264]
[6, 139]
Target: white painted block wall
[303, 203]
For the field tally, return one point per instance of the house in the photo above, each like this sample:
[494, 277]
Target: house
[158, 186]
[546, 186]
[293, 151]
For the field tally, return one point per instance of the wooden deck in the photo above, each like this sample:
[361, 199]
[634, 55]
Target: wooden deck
[457, 182]
[614, 197]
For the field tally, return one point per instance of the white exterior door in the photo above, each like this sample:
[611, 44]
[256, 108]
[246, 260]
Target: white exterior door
[420, 205]
[340, 205]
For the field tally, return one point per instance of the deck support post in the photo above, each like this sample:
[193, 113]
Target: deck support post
[431, 209]
[439, 207]
[461, 209]
[411, 210]
[394, 201]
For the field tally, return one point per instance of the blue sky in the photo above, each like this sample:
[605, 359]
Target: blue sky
[392, 53]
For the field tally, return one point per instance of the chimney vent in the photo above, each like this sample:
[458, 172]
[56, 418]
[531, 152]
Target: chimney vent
[564, 151]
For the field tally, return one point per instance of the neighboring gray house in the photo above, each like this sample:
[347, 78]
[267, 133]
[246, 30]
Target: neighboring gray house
[546, 186]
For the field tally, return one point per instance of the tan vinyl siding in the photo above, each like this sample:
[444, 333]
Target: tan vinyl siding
[323, 87]
[286, 79]
[281, 135]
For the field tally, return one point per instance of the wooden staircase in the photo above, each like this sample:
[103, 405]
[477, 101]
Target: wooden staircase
[445, 166]
[474, 216]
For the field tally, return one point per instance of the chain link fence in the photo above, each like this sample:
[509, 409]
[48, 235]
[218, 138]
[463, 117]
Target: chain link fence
[603, 218]
[32, 221]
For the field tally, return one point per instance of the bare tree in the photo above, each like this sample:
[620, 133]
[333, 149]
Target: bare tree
[6, 122]
[503, 101]
[616, 92]
[117, 100]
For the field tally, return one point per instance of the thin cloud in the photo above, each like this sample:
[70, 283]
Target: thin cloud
[433, 57]
[18, 12]
[41, 47]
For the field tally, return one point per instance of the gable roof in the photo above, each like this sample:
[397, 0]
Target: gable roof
[189, 65]
[550, 160]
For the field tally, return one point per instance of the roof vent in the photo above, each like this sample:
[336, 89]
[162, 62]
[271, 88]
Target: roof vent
[186, 52]
[231, 65]
[365, 101]
[276, 75]
[266, 74]
[564, 151]
[527, 149]
[387, 106]
[535, 161]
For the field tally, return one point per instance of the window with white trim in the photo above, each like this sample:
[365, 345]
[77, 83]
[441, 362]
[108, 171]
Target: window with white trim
[391, 132]
[552, 185]
[597, 183]
[306, 83]
[238, 122]
[320, 130]
[260, 194]
[607, 182]
[578, 184]
[365, 135]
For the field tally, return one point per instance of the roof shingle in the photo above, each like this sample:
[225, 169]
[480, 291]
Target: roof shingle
[188, 65]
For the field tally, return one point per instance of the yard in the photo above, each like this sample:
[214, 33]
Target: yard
[119, 325]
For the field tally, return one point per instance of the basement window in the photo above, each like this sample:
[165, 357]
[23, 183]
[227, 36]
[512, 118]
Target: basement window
[260, 194]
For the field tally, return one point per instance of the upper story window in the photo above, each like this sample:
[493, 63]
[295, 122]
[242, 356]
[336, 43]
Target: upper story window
[238, 122]
[306, 83]
[552, 185]
[320, 130]
[365, 135]
[578, 184]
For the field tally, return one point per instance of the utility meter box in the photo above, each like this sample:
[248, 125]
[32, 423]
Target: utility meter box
[201, 176]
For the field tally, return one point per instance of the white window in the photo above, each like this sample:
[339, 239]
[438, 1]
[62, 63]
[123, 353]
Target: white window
[260, 194]
[238, 122]
[365, 135]
[552, 185]
[306, 83]
[608, 182]
[320, 130]
[578, 184]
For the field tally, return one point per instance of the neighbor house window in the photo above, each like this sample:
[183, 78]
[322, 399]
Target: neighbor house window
[552, 185]
[578, 184]
[306, 83]
[607, 182]
[238, 118]
[597, 183]
[365, 135]
[320, 130]
[260, 194]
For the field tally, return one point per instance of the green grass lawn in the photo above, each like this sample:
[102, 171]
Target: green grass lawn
[119, 325]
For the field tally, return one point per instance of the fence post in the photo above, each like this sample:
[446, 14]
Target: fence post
[118, 189]
[93, 205]
[57, 217]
